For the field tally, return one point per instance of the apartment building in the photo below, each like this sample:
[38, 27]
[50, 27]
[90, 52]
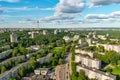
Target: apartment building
[87, 61]
[91, 54]
[94, 73]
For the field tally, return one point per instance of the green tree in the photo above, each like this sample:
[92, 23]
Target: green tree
[12, 79]
[81, 75]
[21, 71]
[10, 63]
[3, 68]
[60, 61]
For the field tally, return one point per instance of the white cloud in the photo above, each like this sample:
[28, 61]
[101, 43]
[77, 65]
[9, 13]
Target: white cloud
[92, 3]
[70, 6]
[115, 14]
[59, 16]
[65, 10]
[14, 9]
[11, 1]
[96, 16]
[112, 17]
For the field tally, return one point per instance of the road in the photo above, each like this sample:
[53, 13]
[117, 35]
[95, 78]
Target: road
[62, 71]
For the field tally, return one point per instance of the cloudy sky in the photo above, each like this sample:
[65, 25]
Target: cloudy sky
[59, 13]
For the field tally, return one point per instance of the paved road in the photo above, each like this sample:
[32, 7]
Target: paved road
[62, 71]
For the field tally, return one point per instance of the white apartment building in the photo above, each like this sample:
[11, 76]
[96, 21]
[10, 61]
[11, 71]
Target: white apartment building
[66, 38]
[89, 62]
[102, 37]
[94, 73]
[84, 52]
[89, 41]
[76, 37]
[12, 59]
[110, 47]
[55, 31]
[12, 73]
[80, 41]
[34, 48]
[43, 59]
[3, 54]
[13, 38]
[33, 34]
[6, 47]
[44, 32]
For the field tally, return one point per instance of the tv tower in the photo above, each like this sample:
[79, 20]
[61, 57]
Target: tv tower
[38, 24]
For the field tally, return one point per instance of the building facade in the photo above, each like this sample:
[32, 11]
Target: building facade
[94, 73]
[13, 38]
[90, 62]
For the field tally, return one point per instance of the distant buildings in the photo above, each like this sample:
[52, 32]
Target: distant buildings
[13, 38]
[56, 31]
[94, 73]
[66, 38]
[59, 30]
[102, 37]
[33, 34]
[44, 32]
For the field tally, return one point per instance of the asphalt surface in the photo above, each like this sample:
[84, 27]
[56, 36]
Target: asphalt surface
[62, 71]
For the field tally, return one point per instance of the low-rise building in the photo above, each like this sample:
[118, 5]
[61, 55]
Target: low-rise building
[41, 71]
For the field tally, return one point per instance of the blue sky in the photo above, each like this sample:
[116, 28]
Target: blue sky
[59, 13]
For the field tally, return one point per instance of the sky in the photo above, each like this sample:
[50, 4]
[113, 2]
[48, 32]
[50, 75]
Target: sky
[59, 13]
